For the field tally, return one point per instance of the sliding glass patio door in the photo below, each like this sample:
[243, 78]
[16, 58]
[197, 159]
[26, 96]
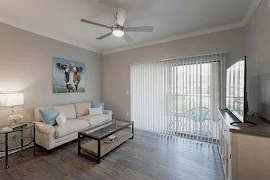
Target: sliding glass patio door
[179, 96]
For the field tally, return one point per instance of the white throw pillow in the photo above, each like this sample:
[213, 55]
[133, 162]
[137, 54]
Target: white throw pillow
[95, 111]
[61, 119]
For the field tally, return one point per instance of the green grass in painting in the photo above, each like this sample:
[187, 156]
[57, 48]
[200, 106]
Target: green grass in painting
[59, 89]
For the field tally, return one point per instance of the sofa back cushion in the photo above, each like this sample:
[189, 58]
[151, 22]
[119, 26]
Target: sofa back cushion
[37, 113]
[82, 109]
[67, 110]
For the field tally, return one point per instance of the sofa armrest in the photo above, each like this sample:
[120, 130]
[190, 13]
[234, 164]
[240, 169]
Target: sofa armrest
[110, 113]
[44, 128]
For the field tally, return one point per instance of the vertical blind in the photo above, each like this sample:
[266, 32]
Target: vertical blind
[179, 96]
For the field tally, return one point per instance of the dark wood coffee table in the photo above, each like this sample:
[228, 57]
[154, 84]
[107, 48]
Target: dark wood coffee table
[96, 148]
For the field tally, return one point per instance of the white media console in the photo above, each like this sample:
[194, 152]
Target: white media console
[244, 151]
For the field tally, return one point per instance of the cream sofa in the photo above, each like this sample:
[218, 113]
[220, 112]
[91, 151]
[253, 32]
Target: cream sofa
[78, 119]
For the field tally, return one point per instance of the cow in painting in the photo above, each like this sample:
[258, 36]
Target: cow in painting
[72, 75]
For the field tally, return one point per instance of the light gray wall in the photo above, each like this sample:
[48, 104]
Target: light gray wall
[258, 58]
[116, 66]
[258, 40]
[26, 65]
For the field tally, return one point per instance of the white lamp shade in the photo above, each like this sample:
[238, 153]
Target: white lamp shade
[14, 99]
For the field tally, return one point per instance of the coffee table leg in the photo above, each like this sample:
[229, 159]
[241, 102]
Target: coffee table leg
[98, 160]
[6, 150]
[79, 144]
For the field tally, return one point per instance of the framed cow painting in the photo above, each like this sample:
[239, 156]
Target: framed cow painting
[68, 76]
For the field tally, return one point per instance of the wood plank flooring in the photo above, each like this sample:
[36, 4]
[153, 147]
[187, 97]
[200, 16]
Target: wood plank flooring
[146, 157]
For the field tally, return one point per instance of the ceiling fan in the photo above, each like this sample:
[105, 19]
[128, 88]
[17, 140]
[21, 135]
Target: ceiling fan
[119, 29]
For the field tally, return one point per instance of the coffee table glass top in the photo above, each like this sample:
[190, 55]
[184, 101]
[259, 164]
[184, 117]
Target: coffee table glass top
[115, 126]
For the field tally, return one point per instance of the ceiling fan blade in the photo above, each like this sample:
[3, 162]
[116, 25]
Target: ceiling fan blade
[140, 29]
[127, 38]
[121, 16]
[104, 36]
[94, 23]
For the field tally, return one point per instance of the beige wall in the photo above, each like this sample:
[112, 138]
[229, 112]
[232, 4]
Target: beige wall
[116, 66]
[26, 65]
[258, 40]
[258, 56]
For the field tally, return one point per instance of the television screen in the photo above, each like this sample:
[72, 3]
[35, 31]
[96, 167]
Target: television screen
[236, 88]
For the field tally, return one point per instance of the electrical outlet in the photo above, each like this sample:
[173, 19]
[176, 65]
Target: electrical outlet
[127, 92]
[127, 114]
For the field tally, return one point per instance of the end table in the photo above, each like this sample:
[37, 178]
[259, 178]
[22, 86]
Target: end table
[26, 137]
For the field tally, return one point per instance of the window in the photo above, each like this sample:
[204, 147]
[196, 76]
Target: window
[178, 97]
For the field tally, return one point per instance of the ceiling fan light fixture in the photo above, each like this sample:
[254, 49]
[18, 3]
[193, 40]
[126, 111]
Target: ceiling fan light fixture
[119, 29]
[118, 32]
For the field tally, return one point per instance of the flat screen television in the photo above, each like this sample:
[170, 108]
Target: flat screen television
[236, 95]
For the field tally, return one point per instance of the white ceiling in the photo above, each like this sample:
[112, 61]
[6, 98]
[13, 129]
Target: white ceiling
[60, 19]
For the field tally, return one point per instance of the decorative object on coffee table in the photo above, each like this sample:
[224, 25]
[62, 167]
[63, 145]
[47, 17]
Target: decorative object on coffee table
[24, 140]
[109, 139]
[97, 148]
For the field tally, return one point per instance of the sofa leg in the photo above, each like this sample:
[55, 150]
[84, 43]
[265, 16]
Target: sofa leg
[50, 151]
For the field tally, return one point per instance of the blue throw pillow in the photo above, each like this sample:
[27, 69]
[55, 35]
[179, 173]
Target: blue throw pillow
[49, 116]
[97, 104]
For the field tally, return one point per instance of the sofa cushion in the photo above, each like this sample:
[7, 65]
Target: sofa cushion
[61, 119]
[71, 126]
[95, 111]
[96, 119]
[49, 116]
[97, 104]
[37, 113]
[82, 109]
[68, 110]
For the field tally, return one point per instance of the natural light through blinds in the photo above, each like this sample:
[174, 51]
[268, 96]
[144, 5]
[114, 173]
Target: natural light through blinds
[179, 96]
